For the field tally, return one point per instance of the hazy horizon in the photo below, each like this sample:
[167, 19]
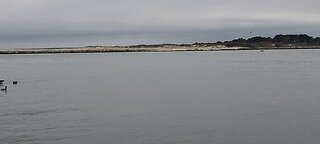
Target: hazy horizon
[44, 23]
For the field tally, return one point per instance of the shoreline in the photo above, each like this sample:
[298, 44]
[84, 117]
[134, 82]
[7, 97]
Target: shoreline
[166, 48]
[110, 49]
[279, 42]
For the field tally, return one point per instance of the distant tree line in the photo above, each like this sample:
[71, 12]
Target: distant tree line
[277, 41]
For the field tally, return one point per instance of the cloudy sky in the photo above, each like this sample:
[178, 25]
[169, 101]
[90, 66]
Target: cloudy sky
[55, 23]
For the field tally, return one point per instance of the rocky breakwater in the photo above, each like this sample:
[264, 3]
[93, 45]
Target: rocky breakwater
[106, 49]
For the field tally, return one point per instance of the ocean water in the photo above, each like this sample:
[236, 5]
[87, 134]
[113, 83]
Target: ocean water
[235, 97]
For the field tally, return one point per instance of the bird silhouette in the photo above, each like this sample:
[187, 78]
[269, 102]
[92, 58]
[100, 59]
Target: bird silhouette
[4, 89]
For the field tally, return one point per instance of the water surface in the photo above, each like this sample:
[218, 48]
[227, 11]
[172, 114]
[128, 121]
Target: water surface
[244, 97]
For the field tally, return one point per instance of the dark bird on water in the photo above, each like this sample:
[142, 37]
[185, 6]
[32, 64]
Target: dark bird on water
[4, 89]
[15, 82]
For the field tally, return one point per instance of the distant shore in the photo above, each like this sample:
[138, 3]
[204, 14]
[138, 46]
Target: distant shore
[279, 42]
[109, 49]
[160, 48]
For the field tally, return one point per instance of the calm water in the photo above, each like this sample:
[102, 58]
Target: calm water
[241, 97]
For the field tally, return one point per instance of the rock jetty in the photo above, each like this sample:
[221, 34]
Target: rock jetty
[108, 49]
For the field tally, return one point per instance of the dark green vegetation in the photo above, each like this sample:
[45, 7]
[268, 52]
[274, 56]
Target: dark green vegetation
[289, 41]
[279, 41]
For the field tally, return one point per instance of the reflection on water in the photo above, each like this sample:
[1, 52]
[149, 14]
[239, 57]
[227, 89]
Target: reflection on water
[162, 98]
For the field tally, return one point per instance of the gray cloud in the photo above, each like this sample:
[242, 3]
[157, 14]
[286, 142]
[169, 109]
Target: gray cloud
[67, 22]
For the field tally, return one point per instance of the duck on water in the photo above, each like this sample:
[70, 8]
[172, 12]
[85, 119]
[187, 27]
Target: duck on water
[13, 82]
[4, 89]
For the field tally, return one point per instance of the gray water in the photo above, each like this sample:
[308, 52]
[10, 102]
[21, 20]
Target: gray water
[239, 97]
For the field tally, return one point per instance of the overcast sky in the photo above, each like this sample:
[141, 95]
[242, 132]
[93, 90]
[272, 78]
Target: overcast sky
[54, 23]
